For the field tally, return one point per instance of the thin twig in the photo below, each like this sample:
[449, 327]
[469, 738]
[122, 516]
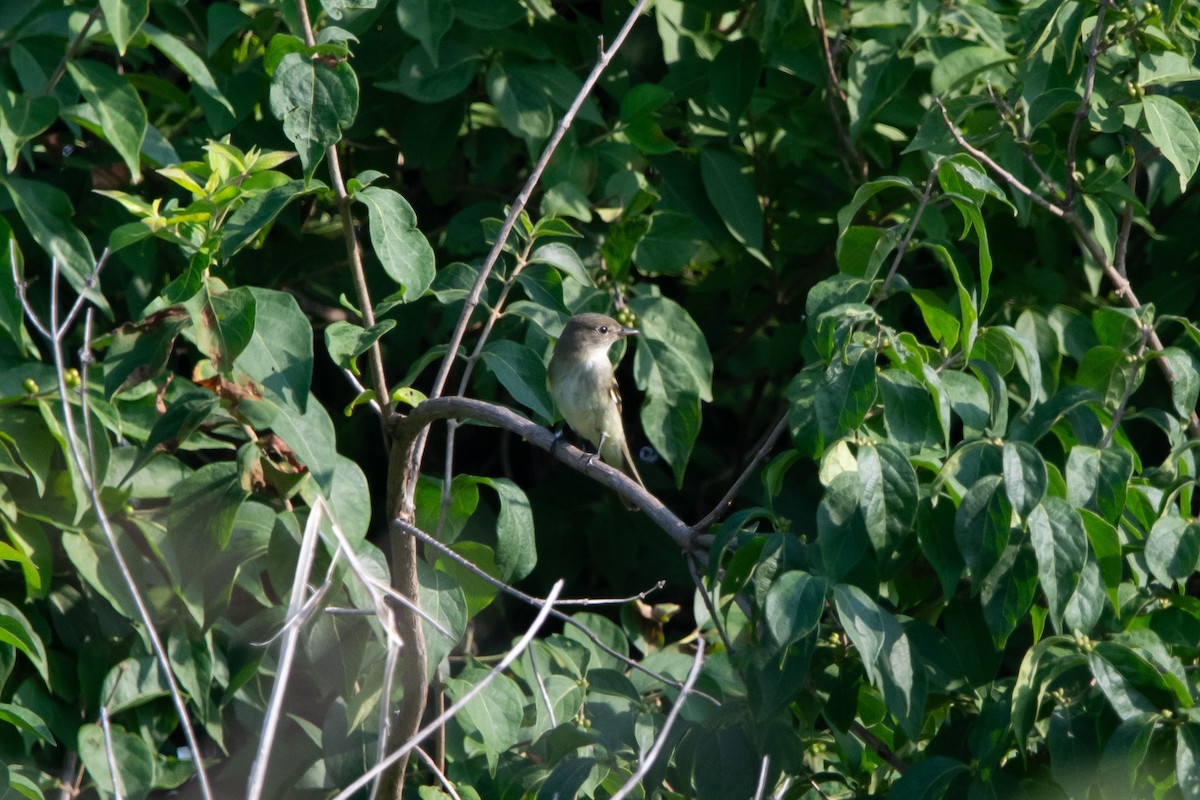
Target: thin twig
[109, 754]
[536, 601]
[908, 234]
[834, 93]
[513, 654]
[724, 504]
[441, 776]
[472, 300]
[76, 43]
[762, 778]
[878, 747]
[287, 653]
[1130, 383]
[88, 475]
[647, 761]
[1085, 104]
[1121, 250]
[708, 604]
[541, 686]
[358, 274]
[984, 158]
[1010, 116]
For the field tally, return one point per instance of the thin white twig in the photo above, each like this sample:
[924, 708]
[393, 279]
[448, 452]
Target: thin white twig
[429, 541]
[109, 755]
[513, 654]
[287, 653]
[762, 778]
[541, 685]
[89, 478]
[647, 761]
[441, 776]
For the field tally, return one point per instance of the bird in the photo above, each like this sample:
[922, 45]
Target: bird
[584, 386]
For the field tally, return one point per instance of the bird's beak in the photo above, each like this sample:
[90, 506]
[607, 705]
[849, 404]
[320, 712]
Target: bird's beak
[628, 332]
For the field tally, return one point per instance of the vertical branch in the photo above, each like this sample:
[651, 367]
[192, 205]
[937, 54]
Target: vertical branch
[404, 465]
[1085, 104]
[903, 248]
[353, 248]
[851, 158]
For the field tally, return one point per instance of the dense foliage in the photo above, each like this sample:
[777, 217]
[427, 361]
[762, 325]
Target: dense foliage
[946, 249]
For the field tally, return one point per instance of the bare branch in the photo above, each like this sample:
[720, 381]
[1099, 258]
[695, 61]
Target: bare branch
[1085, 104]
[513, 654]
[764, 449]
[762, 778]
[987, 160]
[76, 43]
[409, 428]
[358, 274]
[647, 761]
[430, 541]
[441, 776]
[535, 175]
[109, 754]
[287, 652]
[908, 234]
[87, 473]
[708, 604]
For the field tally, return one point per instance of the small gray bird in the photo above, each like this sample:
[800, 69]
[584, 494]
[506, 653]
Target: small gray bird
[584, 386]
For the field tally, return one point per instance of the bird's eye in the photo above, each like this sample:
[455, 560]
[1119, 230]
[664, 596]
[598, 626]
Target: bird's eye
[604, 329]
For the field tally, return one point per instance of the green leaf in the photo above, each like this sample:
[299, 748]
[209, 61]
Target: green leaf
[981, 526]
[310, 434]
[521, 99]
[138, 353]
[1106, 546]
[673, 365]
[942, 324]
[734, 76]
[1025, 476]
[1187, 760]
[928, 780]
[429, 80]
[909, 412]
[521, 371]
[427, 21]
[847, 392]
[1186, 386]
[218, 111]
[888, 495]
[1097, 479]
[400, 246]
[133, 757]
[563, 258]
[442, 599]
[181, 420]
[638, 108]
[672, 425]
[476, 591]
[346, 342]
[315, 103]
[133, 682]
[1174, 132]
[733, 195]
[1060, 544]
[279, 354]
[495, 714]
[794, 605]
[516, 551]
[1122, 695]
[253, 217]
[123, 18]
[47, 212]
[22, 118]
[1006, 592]
[15, 631]
[27, 722]
[117, 106]
[1173, 549]
[887, 654]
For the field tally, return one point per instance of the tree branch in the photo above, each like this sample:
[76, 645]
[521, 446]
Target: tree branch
[1085, 104]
